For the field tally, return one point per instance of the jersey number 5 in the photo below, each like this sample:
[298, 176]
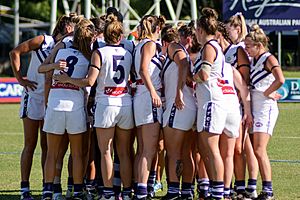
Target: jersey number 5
[120, 68]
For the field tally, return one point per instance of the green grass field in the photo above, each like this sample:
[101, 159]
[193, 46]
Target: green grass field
[283, 151]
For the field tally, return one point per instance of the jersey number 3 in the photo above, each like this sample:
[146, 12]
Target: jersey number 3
[120, 68]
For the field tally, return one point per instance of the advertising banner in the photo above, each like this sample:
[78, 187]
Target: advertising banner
[10, 90]
[290, 90]
[271, 15]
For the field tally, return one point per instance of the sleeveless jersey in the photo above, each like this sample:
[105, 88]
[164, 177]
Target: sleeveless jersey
[66, 96]
[230, 54]
[113, 76]
[228, 88]
[211, 90]
[260, 78]
[170, 79]
[154, 68]
[37, 58]
[126, 44]
[68, 41]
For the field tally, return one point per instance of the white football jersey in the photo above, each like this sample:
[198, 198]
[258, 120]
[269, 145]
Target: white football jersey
[126, 44]
[154, 68]
[37, 58]
[68, 41]
[113, 76]
[228, 88]
[230, 54]
[66, 96]
[211, 90]
[260, 78]
[170, 81]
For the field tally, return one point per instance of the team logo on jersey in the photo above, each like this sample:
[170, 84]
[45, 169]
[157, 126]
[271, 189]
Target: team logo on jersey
[258, 124]
[229, 59]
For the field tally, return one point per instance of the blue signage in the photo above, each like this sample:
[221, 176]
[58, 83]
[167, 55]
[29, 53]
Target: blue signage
[290, 90]
[10, 90]
[271, 15]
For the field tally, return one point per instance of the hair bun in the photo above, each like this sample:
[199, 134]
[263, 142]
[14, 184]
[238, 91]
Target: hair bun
[192, 24]
[162, 19]
[255, 28]
[210, 13]
[111, 18]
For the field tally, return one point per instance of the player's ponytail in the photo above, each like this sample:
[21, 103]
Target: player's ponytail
[113, 29]
[208, 21]
[257, 35]
[222, 29]
[169, 34]
[149, 25]
[83, 37]
[238, 20]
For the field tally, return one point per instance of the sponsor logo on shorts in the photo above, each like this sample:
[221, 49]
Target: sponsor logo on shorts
[258, 124]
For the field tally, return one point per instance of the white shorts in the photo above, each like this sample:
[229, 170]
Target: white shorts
[211, 117]
[111, 116]
[144, 111]
[33, 108]
[57, 122]
[232, 123]
[179, 119]
[264, 118]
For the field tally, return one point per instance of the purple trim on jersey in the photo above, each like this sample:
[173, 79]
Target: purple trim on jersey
[72, 47]
[207, 122]
[114, 45]
[260, 78]
[146, 43]
[208, 42]
[226, 50]
[223, 64]
[259, 57]
[100, 55]
[44, 54]
[156, 63]
[40, 46]
[172, 116]
[268, 124]
[252, 76]
[166, 66]
[25, 106]
[39, 56]
[154, 114]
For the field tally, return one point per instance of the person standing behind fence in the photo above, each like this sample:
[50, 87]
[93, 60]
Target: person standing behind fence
[265, 78]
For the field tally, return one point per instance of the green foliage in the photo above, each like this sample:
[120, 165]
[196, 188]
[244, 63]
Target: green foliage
[35, 9]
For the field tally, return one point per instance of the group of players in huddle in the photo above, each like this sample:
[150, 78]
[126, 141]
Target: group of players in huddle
[206, 89]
